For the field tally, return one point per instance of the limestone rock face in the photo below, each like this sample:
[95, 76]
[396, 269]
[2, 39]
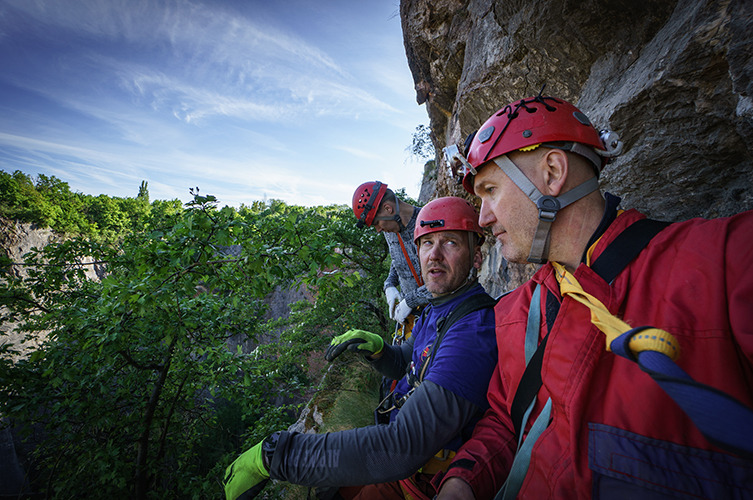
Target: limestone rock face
[19, 238]
[672, 78]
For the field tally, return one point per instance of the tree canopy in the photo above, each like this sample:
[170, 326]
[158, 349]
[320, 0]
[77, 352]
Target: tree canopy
[49, 202]
[148, 382]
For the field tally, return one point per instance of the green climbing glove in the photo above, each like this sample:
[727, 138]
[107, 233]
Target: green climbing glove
[360, 341]
[247, 474]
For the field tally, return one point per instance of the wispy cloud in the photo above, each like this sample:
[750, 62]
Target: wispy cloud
[215, 62]
[191, 103]
[234, 94]
[359, 153]
[24, 142]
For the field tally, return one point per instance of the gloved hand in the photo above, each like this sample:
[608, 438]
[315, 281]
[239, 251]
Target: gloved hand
[247, 474]
[393, 297]
[360, 341]
[402, 311]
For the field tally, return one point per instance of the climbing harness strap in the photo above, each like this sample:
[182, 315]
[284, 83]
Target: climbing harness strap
[534, 356]
[416, 276]
[470, 304]
[522, 459]
[723, 420]
[530, 383]
[625, 247]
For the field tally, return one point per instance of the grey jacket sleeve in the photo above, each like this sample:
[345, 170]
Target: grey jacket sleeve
[395, 360]
[418, 297]
[378, 453]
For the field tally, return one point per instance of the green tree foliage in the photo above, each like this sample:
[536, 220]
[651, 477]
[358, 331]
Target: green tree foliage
[322, 250]
[422, 145]
[143, 192]
[133, 386]
[20, 199]
[49, 202]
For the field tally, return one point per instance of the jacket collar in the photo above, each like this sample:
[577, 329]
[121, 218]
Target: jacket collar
[610, 214]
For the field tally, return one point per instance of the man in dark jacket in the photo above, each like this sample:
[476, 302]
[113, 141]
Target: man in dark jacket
[442, 392]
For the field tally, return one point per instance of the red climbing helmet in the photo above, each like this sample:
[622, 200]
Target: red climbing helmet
[447, 214]
[527, 123]
[524, 126]
[366, 200]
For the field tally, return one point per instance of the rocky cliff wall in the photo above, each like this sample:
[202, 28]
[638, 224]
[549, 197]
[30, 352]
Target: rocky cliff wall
[673, 78]
[16, 240]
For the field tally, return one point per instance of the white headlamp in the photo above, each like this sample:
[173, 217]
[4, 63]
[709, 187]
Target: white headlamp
[455, 160]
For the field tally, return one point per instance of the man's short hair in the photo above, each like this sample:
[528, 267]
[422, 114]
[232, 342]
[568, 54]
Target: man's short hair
[389, 196]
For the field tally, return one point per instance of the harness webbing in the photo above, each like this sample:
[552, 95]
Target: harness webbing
[471, 304]
[519, 413]
[467, 306]
[531, 380]
[653, 339]
[416, 276]
[626, 246]
[722, 419]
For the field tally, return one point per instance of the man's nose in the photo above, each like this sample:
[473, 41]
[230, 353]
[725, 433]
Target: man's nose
[485, 216]
[435, 252]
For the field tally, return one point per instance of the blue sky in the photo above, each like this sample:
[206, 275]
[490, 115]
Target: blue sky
[248, 100]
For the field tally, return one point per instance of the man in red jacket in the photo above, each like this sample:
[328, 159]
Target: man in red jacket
[568, 418]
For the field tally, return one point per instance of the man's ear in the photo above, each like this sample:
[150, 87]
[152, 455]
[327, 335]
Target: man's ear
[478, 258]
[387, 208]
[556, 169]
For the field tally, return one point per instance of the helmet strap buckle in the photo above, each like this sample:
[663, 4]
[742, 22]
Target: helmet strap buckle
[548, 207]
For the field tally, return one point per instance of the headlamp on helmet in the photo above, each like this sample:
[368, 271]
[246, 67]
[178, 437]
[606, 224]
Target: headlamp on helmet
[612, 144]
[456, 160]
[457, 163]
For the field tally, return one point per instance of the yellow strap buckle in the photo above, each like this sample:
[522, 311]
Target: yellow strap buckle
[650, 339]
[439, 462]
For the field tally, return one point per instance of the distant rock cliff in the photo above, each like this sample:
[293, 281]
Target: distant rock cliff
[16, 240]
[673, 78]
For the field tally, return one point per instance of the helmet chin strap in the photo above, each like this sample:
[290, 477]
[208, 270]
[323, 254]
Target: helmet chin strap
[397, 215]
[548, 205]
[473, 272]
